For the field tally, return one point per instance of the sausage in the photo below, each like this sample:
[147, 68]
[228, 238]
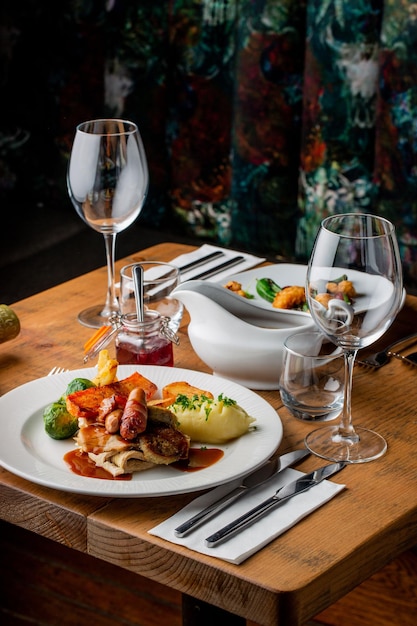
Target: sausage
[107, 405]
[112, 421]
[135, 415]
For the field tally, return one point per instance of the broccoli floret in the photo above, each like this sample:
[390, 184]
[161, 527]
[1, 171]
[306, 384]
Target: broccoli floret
[78, 384]
[59, 424]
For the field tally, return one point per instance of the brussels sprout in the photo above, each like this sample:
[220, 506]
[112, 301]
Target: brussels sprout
[78, 384]
[59, 424]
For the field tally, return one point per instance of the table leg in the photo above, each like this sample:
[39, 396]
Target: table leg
[198, 613]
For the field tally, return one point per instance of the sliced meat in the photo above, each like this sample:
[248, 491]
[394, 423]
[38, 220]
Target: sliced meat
[164, 445]
[95, 438]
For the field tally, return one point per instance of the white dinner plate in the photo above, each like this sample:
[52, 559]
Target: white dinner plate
[373, 291]
[27, 451]
[284, 274]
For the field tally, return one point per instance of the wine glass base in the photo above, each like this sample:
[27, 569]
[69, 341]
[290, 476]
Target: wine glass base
[326, 443]
[92, 317]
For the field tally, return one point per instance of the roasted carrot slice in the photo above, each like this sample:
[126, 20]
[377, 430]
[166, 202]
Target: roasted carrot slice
[86, 403]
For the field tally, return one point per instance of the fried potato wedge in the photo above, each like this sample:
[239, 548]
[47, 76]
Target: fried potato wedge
[162, 402]
[184, 389]
[86, 403]
[107, 369]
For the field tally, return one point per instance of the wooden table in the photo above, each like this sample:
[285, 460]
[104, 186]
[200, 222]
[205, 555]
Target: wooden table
[297, 575]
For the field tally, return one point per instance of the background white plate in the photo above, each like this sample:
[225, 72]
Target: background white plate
[26, 450]
[284, 274]
[372, 290]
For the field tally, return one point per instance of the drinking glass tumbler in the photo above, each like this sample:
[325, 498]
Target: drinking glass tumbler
[312, 379]
[159, 279]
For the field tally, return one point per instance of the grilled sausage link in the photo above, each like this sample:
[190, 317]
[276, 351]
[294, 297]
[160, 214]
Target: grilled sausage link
[112, 421]
[107, 405]
[135, 415]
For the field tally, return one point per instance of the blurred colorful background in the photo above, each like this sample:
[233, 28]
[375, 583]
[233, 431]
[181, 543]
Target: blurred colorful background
[259, 117]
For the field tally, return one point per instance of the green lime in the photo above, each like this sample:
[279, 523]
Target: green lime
[9, 323]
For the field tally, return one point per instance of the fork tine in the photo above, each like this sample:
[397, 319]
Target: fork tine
[405, 358]
[57, 370]
[367, 365]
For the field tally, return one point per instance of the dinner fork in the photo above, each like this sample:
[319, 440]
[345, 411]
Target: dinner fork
[57, 370]
[381, 358]
[408, 359]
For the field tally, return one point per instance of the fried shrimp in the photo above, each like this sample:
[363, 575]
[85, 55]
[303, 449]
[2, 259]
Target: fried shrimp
[236, 287]
[324, 298]
[290, 298]
[344, 287]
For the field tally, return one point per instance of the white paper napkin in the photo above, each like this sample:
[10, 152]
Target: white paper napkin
[248, 261]
[250, 540]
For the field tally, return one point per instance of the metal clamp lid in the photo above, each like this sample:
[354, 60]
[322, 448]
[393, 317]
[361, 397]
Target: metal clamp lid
[167, 332]
[104, 334]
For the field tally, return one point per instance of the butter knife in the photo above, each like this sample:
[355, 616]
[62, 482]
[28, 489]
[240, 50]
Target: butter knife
[260, 476]
[201, 261]
[219, 268]
[282, 495]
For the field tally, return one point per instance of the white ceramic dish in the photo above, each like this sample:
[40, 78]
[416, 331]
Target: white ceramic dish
[283, 274]
[242, 339]
[238, 338]
[27, 451]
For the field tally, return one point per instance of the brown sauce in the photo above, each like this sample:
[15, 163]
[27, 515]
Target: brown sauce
[198, 459]
[80, 463]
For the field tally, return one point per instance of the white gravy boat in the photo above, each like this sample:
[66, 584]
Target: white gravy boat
[235, 338]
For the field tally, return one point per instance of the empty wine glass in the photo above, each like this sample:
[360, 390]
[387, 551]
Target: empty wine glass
[362, 250]
[107, 183]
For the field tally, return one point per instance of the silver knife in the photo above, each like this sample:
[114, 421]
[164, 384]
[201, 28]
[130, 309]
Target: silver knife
[282, 495]
[219, 268]
[201, 261]
[260, 476]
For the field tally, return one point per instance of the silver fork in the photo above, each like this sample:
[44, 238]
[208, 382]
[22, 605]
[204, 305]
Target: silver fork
[57, 370]
[408, 359]
[381, 358]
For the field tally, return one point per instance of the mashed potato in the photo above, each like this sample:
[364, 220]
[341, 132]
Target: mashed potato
[210, 420]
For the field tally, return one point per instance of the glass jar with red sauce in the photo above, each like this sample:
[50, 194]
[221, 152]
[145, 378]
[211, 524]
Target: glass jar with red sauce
[145, 343]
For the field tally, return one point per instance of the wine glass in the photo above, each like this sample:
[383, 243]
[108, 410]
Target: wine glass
[361, 249]
[107, 182]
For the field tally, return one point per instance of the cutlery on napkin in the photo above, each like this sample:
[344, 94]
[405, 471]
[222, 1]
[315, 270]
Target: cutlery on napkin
[249, 540]
[220, 268]
[218, 263]
[300, 485]
[201, 261]
[256, 478]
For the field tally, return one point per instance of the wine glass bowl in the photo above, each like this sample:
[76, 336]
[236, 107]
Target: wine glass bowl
[354, 291]
[107, 182]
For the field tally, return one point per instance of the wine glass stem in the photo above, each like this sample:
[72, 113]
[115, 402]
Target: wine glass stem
[346, 431]
[111, 305]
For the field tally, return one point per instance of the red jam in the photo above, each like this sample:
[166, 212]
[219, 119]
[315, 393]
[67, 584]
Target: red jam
[160, 353]
[144, 343]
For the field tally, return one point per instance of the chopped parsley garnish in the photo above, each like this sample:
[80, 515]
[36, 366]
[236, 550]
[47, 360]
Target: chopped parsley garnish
[226, 401]
[195, 402]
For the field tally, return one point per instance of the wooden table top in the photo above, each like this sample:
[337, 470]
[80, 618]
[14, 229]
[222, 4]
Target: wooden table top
[294, 577]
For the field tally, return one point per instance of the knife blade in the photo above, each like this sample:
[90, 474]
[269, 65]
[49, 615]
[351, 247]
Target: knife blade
[201, 261]
[219, 268]
[258, 477]
[282, 495]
